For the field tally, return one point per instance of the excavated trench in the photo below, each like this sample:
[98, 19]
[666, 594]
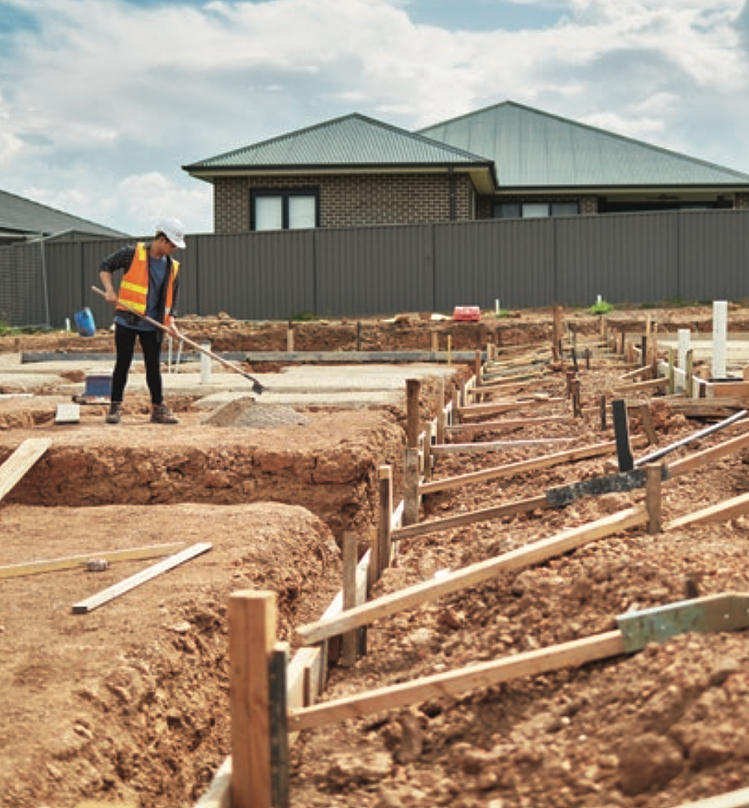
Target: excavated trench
[327, 463]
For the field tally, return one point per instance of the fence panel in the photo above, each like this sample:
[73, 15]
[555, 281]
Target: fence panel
[713, 255]
[628, 258]
[251, 276]
[374, 270]
[23, 286]
[478, 263]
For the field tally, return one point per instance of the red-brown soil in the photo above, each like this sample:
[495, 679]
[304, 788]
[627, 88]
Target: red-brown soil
[128, 705]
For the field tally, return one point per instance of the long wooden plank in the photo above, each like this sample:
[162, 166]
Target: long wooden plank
[454, 683]
[492, 446]
[700, 459]
[508, 470]
[71, 562]
[472, 575]
[731, 799]
[489, 387]
[22, 459]
[115, 591]
[722, 512]
[651, 384]
[508, 423]
[481, 410]
[470, 517]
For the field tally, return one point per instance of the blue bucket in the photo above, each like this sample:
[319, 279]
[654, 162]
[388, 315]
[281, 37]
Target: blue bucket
[84, 319]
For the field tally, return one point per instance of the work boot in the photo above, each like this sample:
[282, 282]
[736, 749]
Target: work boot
[161, 414]
[114, 416]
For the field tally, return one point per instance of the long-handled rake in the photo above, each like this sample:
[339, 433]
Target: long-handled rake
[256, 386]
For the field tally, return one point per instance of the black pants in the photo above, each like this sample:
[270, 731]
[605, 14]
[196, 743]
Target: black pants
[150, 344]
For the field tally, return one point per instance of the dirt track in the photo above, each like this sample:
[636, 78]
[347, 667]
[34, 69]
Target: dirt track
[129, 703]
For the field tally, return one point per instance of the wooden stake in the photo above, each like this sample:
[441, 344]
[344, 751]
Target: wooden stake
[689, 378]
[411, 487]
[385, 519]
[428, 448]
[252, 637]
[279, 733]
[653, 474]
[647, 424]
[350, 559]
[413, 387]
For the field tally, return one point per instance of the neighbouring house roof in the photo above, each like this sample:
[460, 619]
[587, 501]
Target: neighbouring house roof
[352, 143]
[533, 149]
[22, 219]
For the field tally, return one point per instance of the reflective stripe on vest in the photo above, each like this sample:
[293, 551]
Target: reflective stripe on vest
[134, 286]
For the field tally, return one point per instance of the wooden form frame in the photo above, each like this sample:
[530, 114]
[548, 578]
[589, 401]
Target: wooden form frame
[304, 714]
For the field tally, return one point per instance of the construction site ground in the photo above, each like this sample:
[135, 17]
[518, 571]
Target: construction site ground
[128, 705]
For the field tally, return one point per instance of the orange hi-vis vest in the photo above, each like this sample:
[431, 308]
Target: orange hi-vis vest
[134, 285]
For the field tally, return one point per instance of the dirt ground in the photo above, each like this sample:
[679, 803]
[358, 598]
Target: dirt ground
[127, 705]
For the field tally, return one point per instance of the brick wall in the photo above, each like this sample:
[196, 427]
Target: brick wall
[354, 200]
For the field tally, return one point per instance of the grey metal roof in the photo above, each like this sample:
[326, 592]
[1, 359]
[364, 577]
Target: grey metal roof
[531, 148]
[353, 141]
[22, 217]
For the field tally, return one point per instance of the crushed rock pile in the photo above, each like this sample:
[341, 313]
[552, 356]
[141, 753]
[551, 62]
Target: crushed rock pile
[248, 413]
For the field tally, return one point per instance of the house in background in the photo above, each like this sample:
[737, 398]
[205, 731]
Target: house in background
[23, 220]
[505, 161]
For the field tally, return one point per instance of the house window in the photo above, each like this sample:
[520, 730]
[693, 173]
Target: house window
[284, 210]
[535, 210]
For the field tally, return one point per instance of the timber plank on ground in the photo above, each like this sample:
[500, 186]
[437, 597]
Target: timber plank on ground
[24, 457]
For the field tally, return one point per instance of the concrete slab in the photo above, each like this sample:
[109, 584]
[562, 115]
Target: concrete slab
[301, 385]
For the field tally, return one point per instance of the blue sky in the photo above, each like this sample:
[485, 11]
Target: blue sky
[103, 101]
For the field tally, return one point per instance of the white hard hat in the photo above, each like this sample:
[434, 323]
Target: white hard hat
[173, 229]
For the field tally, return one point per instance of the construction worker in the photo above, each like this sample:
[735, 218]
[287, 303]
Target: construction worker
[149, 286]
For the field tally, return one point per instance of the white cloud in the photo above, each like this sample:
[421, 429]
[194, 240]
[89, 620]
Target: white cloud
[105, 100]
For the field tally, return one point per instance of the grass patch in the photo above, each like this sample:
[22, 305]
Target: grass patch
[601, 307]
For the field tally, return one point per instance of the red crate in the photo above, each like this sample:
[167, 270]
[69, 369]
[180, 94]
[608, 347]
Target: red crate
[467, 313]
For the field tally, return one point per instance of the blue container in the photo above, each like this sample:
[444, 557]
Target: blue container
[99, 385]
[84, 319]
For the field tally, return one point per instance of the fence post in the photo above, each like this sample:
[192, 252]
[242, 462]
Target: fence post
[252, 637]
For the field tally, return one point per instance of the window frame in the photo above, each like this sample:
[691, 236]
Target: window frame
[285, 195]
[549, 208]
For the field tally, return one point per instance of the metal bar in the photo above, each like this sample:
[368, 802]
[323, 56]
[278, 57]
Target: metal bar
[684, 441]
